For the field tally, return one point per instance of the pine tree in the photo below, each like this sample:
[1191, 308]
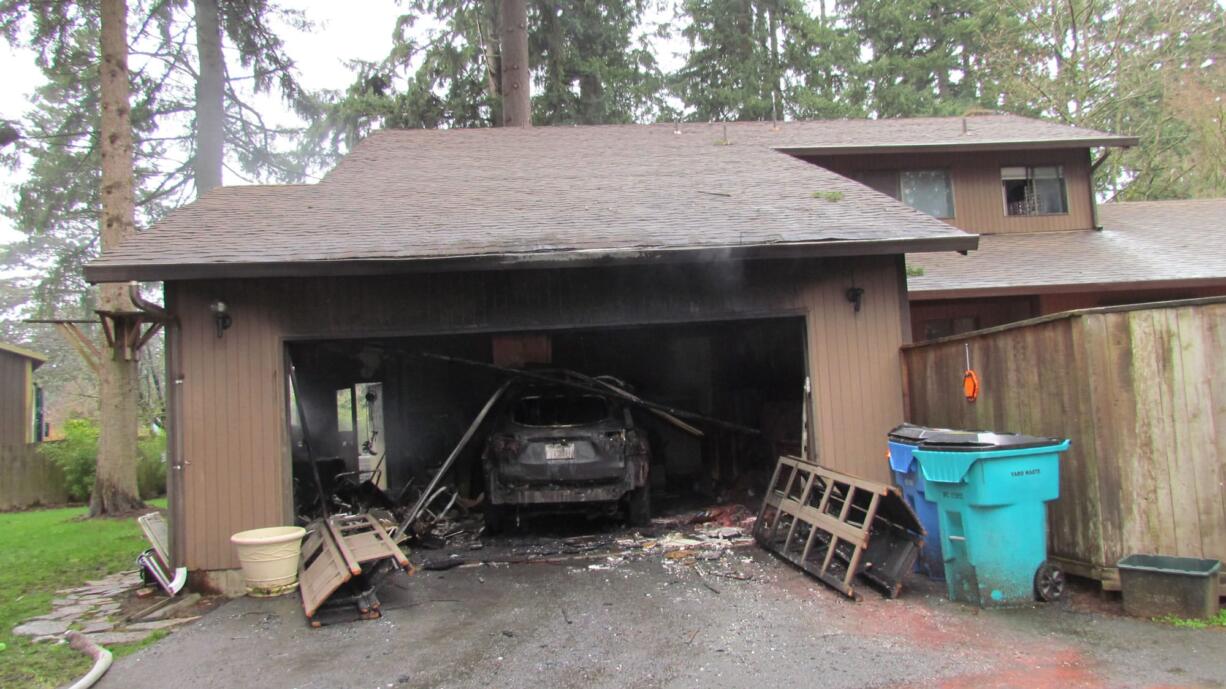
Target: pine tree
[925, 57]
[764, 60]
[590, 63]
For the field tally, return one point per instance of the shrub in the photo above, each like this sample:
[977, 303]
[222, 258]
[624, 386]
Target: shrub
[151, 467]
[76, 456]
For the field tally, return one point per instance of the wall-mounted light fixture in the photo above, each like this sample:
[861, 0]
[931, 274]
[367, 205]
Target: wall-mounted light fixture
[855, 295]
[221, 313]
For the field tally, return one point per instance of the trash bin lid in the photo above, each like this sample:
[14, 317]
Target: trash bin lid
[913, 434]
[983, 441]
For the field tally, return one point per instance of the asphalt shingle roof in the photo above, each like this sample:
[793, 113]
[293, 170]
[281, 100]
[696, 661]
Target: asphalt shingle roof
[564, 193]
[1141, 242]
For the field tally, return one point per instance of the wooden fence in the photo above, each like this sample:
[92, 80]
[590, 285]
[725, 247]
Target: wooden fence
[27, 480]
[1141, 393]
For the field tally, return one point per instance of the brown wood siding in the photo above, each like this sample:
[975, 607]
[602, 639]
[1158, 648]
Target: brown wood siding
[15, 389]
[978, 201]
[233, 432]
[987, 312]
[1068, 301]
[233, 437]
[1140, 392]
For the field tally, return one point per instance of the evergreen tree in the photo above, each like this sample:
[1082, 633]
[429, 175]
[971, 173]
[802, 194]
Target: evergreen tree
[731, 72]
[764, 60]
[57, 142]
[594, 64]
[924, 57]
[590, 63]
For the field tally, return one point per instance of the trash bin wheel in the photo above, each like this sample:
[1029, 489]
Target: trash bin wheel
[1049, 582]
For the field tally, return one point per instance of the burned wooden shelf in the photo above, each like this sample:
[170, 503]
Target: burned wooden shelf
[346, 551]
[838, 527]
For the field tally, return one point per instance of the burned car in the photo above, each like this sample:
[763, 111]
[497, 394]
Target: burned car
[559, 446]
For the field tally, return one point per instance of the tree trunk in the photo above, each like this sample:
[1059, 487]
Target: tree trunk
[516, 94]
[776, 87]
[591, 99]
[210, 104]
[115, 488]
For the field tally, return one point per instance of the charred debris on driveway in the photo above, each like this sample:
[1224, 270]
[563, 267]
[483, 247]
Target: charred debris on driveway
[358, 535]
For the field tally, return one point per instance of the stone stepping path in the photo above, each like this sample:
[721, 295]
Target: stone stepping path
[90, 608]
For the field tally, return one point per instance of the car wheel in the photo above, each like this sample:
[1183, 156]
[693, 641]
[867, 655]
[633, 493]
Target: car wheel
[638, 506]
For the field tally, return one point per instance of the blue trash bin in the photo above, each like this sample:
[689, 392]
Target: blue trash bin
[902, 441]
[991, 492]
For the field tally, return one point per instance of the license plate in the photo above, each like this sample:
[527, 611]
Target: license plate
[559, 451]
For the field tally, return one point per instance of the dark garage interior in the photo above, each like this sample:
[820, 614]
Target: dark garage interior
[383, 404]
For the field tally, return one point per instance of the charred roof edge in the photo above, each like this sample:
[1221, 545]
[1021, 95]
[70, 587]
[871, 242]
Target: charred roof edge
[147, 272]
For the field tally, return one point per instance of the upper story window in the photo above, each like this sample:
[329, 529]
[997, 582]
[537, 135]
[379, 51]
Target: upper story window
[1034, 190]
[929, 191]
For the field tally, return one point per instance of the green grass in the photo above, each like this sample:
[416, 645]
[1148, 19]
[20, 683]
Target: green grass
[41, 552]
[1194, 623]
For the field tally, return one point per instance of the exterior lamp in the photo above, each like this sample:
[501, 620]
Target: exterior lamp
[855, 295]
[221, 313]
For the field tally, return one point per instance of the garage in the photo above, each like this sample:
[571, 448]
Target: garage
[712, 280]
[395, 408]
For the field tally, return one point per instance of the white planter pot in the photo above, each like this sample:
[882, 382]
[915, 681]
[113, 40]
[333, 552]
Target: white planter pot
[270, 558]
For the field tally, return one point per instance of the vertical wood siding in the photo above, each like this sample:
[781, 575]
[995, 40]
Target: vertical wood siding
[15, 411]
[1141, 393]
[978, 201]
[234, 447]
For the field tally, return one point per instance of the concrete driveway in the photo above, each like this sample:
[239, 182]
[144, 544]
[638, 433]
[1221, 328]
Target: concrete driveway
[655, 623]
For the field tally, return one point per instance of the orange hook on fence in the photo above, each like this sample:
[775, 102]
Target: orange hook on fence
[970, 379]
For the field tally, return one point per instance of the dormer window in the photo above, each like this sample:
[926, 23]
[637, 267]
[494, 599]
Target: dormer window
[1034, 190]
[929, 191]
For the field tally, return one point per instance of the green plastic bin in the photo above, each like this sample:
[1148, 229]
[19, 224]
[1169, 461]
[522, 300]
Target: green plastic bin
[991, 491]
[1159, 585]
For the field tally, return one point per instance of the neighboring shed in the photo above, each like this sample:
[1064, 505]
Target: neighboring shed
[707, 262]
[17, 394]
[1141, 393]
[25, 478]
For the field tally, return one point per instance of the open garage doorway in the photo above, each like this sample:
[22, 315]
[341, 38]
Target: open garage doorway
[382, 409]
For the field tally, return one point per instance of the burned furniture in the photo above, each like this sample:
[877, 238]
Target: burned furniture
[344, 559]
[155, 563]
[839, 528]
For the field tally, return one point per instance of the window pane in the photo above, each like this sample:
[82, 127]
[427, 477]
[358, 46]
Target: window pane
[1050, 172]
[1013, 173]
[884, 181]
[928, 191]
[1050, 195]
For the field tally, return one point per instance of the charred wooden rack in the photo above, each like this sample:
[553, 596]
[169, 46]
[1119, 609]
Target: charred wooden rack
[838, 527]
[344, 558]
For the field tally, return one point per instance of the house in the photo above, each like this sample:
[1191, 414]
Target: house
[25, 478]
[711, 265]
[1140, 251]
